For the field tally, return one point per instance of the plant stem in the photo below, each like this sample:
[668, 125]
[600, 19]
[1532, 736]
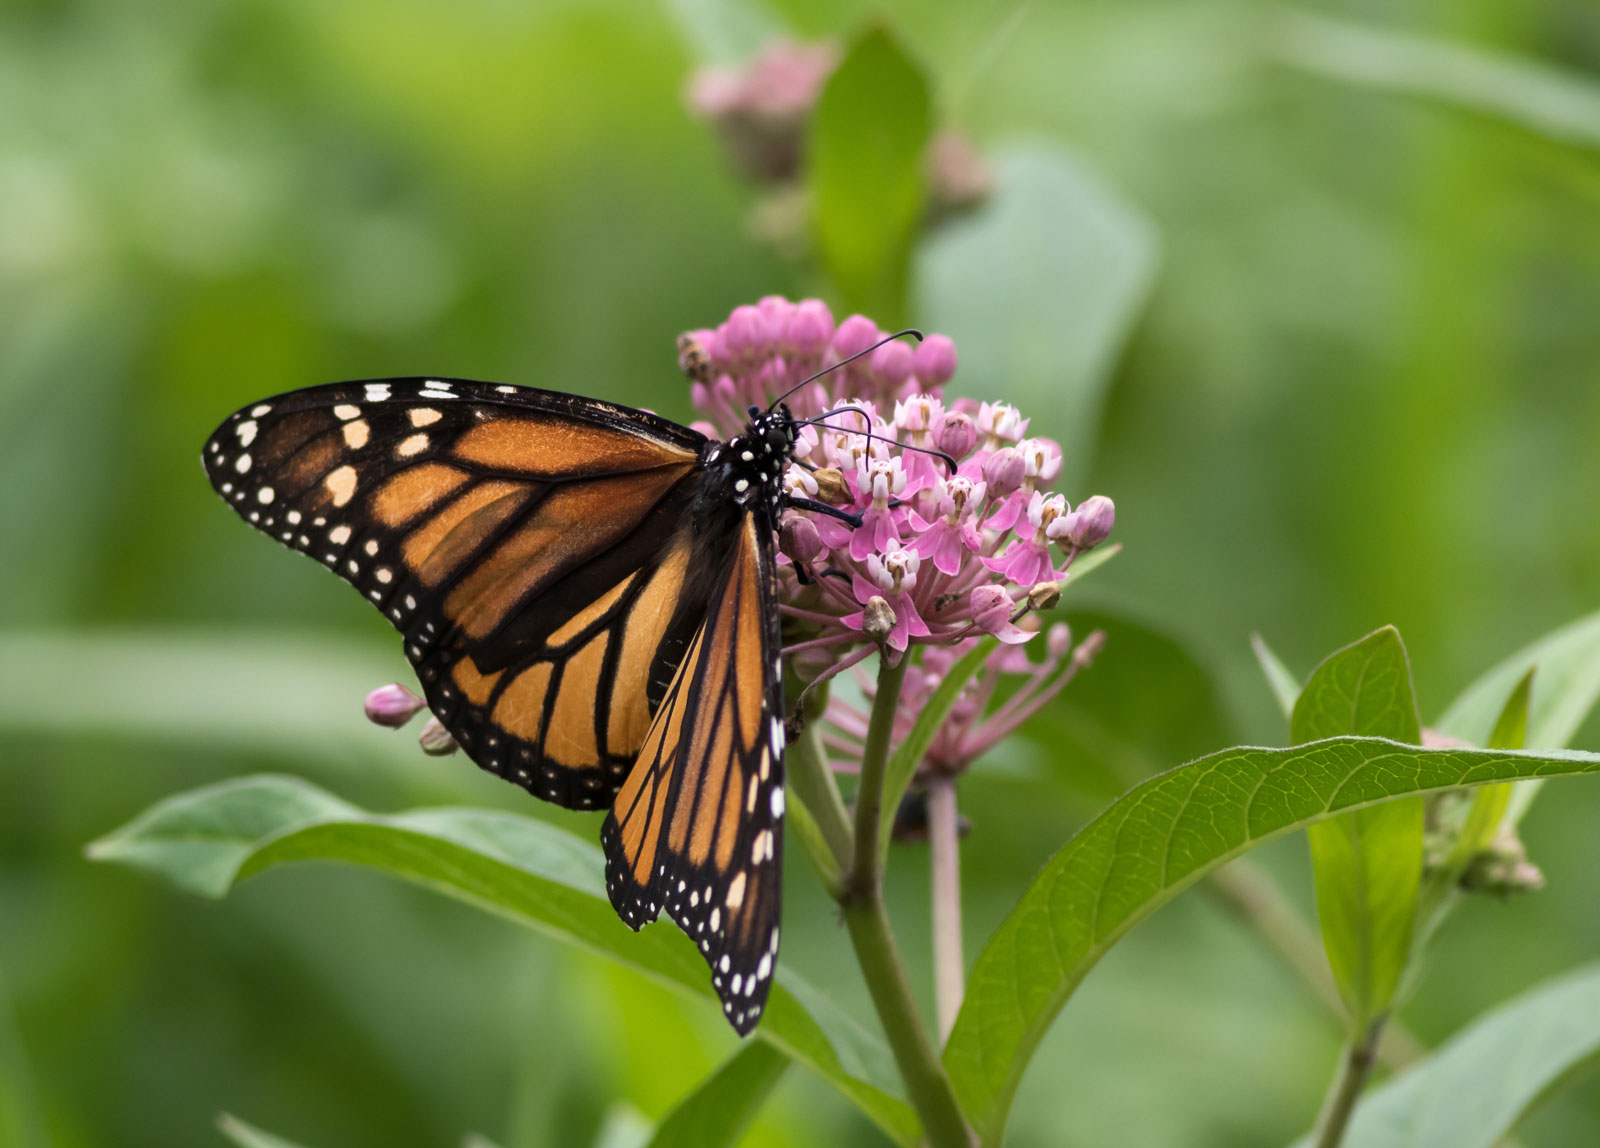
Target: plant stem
[926, 1083]
[944, 865]
[868, 921]
[1354, 1068]
[810, 779]
[1246, 889]
[867, 872]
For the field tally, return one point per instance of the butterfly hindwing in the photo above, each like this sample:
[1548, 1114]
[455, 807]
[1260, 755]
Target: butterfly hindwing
[521, 540]
[697, 826]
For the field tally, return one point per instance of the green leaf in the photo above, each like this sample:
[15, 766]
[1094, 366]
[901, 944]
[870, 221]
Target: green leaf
[1150, 845]
[209, 839]
[719, 1111]
[1560, 105]
[866, 172]
[1368, 863]
[1042, 287]
[1473, 1091]
[1489, 804]
[1569, 683]
[1283, 684]
[909, 753]
[248, 1136]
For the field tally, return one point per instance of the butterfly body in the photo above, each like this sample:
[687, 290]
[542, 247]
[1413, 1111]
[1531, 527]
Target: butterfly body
[588, 595]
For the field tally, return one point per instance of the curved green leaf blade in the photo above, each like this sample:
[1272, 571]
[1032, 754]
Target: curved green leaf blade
[1151, 844]
[1473, 1091]
[1285, 688]
[208, 840]
[1568, 685]
[1368, 863]
[1042, 286]
[909, 753]
[716, 1114]
[1569, 682]
[865, 170]
[1561, 105]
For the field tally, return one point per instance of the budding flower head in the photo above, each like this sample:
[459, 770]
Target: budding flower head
[436, 741]
[393, 706]
[1004, 471]
[1092, 521]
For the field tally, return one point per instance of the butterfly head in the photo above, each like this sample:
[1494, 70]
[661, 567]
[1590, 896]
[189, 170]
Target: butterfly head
[753, 463]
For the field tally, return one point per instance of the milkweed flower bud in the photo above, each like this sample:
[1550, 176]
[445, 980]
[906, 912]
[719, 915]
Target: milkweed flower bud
[855, 335]
[393, 706]
[1003, 471]
[800, 540]
[810, 327]
[1092, 521]
[934, 360]
[1058, 640]
[1044, 596]
[436, 741]
[892, 363]
[987, 603]
[958, 435]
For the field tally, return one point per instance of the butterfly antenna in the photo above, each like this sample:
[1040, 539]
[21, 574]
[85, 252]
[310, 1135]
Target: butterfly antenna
[948, 461]
[912, 331]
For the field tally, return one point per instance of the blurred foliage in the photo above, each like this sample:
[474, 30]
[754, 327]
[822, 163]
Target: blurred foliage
[1363, 390]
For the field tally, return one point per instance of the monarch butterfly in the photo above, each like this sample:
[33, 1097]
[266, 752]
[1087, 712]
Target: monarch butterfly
[588, 595]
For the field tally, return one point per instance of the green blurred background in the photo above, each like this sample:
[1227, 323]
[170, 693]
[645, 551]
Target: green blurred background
[1354, 380]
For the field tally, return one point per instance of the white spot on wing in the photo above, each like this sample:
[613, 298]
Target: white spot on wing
[265, 495]
[246, 432]
[345, 412]
[339, 535]
[260, 409]
[341, 484]
[242, 464]
[777, 801]
[736, 891]
[416, 444]
[377, 392]
[424, 416]
[356, 434]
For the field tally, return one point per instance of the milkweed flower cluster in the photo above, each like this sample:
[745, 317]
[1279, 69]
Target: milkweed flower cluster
[948, 548]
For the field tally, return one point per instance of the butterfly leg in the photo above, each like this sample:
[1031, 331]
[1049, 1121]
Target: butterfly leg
[854, 520]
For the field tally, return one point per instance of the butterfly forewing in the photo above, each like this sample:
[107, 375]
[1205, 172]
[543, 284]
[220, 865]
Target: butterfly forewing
[590, 606]
[521, 540]
[697, 827]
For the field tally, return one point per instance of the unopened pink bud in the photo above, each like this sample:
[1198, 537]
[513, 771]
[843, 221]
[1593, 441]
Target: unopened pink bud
[800, 541]
[1092, 521]
[744, 332]
[991, 608]
[392, 706]
[934, 360]
[1003, 471]
[1058, 640]
[854, 335]
[435, 740]
[892, 363]
[810, 327]
[958, 435]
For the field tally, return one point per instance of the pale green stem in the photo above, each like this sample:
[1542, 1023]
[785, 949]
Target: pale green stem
[1355, 1065]
[865, 915]
[944, 866]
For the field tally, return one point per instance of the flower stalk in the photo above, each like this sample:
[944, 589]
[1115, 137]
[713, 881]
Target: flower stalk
[944, 864]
